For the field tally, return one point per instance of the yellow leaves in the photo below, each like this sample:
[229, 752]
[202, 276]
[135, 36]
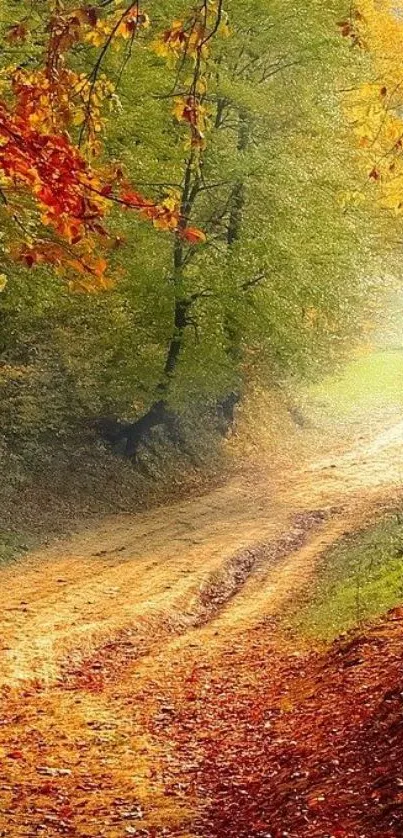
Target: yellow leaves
[197, 42]
[178, 108]
[189, 109]
[78, 117]
[3, 282]
[166, 214]
[69, 100]
[173, 43]
[121, 24]
[99, 34]
[391, 194]
[88, 275]
[84, 271]
[87, 285]
[189, 41]
[224, 29]
[172, 200]
[393, 131]
[201, 86]
[351, 199]
[375, 109]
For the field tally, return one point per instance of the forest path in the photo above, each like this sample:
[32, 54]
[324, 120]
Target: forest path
[100, 631]
[166, 571]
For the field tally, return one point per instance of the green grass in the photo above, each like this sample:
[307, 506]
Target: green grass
[367, 383]
[360, 578]
[13, 545]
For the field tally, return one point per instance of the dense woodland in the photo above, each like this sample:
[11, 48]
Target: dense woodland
[212, 243]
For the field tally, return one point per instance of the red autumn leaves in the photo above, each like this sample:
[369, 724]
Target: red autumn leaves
[71, 198]
[46, 171]
[270, 742]
[54, 172]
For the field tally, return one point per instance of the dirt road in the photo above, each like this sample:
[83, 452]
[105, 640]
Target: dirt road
[95, 630]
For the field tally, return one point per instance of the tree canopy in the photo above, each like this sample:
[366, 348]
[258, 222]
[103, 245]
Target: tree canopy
[177, 218]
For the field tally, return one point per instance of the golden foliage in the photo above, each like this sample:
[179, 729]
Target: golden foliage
[375, 109]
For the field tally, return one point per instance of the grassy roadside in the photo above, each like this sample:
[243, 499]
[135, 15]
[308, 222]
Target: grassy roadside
[53, 489]
[13, 545]
[360, 578]
[49, 490]
[364, 386]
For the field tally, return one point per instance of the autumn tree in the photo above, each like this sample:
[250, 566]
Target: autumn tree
[374, 107]
[56, 188]
[203, 161]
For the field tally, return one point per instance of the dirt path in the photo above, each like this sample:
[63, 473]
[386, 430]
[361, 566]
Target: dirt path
[96, 630]
[154, 569]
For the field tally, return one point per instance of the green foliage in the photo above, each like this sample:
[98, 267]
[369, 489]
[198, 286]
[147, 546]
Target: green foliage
[12, 545]
[287, 297]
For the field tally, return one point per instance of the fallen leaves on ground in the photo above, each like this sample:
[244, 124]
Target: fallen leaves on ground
[294, 744]
[256, 741]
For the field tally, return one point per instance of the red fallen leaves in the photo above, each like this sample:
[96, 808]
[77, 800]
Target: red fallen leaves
[262, 742]
[303, 746]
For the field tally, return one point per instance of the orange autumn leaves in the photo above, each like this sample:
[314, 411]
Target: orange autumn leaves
[189, 40]
[50, 172]
[51, 119]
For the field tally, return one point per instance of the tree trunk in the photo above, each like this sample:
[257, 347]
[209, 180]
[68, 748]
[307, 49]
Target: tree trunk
[239, 190]
[226, 407]
[180, 323]
[159, 414]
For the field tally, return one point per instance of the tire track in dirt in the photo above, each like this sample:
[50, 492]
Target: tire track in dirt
[148, 568]
[215, 594]
[84, 709]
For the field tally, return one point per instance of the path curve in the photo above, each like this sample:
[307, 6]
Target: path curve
[103, 634]
[150, 569]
